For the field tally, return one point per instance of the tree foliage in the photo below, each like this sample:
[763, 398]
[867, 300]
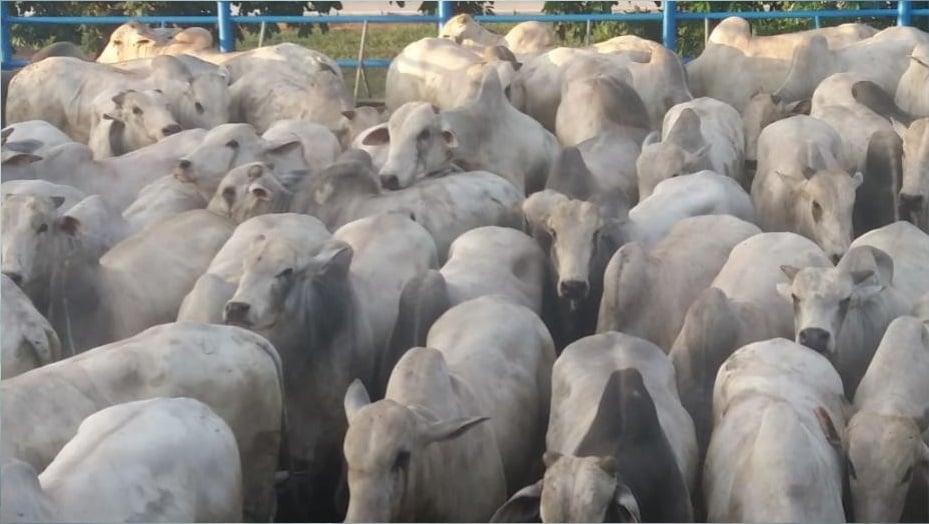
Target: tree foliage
[94, 37]
[471, 8]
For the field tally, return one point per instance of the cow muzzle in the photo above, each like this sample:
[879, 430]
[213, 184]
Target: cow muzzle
[172, 129]
[816, 339]
[237, 313]
[390, 181]
[182, 171]
[573, 289]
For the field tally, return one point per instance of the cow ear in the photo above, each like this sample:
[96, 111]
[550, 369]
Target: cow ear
[790, 271]
[334, 260]
[625, 504]
[377, 136]
[550, 457]
[448, 429]
[119, 98]
[69, 225]
[523, 506]
[539, 205]
[451, 139]
[800, 107]
[255, 171]
[862, 275]
[284, 148]
[653, 138]
[19, 159]
[355, 398]
[857, 179]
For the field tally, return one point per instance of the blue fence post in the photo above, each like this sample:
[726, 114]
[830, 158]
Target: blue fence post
[903, 12]
[669, 24]
[444, 12]
[224, 23]
[6, 49]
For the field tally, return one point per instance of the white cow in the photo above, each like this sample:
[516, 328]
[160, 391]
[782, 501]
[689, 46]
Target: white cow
[762, 62]
[27, 340]
[428, 430]
[162, 459]
[700, 134]
[909, 249]
[740, 307]
[775, 451]
[117, 179]
[616, 428]
[882, 58]
[801, 184]
[440, 72]
[485, 134]
[843, 311]
[912, 90]
[234, 372]
[884, 443]
[200, 101]
[914, 193]
[647, 290]
[523, 39]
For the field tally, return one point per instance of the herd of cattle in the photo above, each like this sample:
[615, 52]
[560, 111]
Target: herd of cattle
[543, 284]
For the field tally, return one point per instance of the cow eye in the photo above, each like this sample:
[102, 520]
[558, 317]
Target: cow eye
[285, 273]
[233, 144]
[907, 476]
[402, 460]
[43, 228]
[795, 297]
[199, 107]
[118, 42]
[137, 110]
[423, 135]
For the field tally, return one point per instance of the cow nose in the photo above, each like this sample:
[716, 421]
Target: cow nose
[814, 338]
[170, 130]
[390, 182]
[573, 289]
[237, 313]
[15, 277]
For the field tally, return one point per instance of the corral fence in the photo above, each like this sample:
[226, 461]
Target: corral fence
[225, 20]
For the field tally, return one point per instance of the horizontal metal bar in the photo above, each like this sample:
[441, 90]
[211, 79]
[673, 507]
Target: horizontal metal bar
[767, 15]
[337, 19]
[110, 19]
[368, 62]
[571, 18]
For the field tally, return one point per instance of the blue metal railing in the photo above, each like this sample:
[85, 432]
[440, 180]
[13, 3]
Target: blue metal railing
[224, 21]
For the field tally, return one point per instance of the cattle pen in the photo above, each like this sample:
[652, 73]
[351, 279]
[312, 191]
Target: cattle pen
[224, 20]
